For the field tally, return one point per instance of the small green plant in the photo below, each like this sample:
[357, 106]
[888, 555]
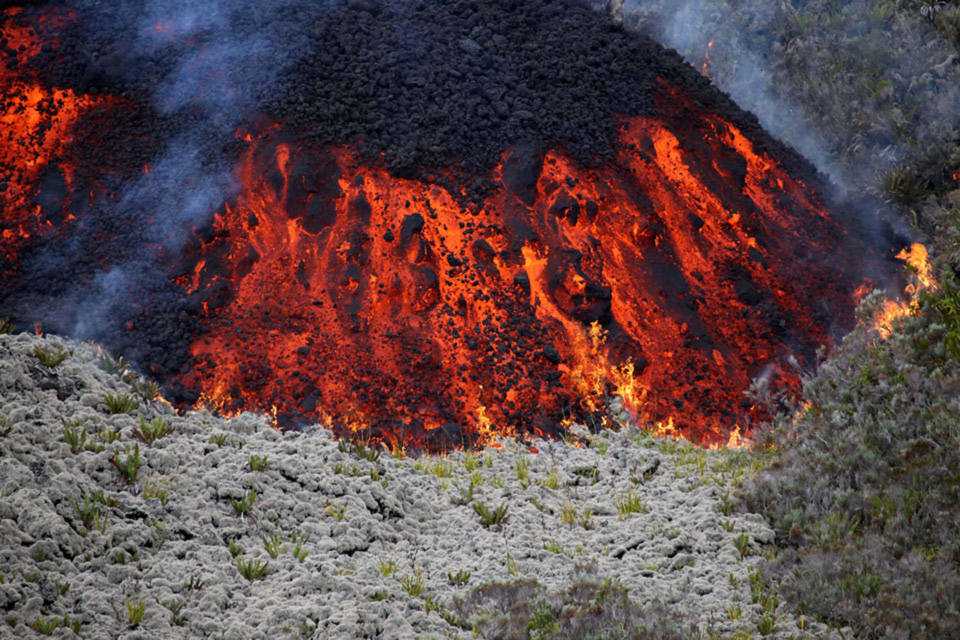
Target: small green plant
[46, 626]
[75, 434]
[50, 358]
[522, 467]
[490, 517]
[555, 547]
[150, 432]
[193, 584]
[458, 579]
[298, 551]
[542, 621]
[136, 607]
[130, 465]
[6, 326]
[734, 612]
[89, 513]
[742, 543]
[360, 449]
[629, 504]
[599, 443]
[175, 607]
[413, 585]
[273, 544]
[431, 604]
[113, 366]
[4, 429]
[108, 435]
[256, 463]
[552, 481]
[471, 461]
[728, 525]
[156, 488]
[766, 624]
[442, 469]
[219, 439]
[387, 566]
[120, 403]
[338, 510]
[235, 548]
[243, 506]
[726, 504]
[252, 569]
[146, 389]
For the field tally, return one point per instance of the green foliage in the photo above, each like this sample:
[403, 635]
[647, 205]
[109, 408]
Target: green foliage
[156, 488]
[901, 185]
[50, 357]
[413, 585]
[586, 610]
[458, 579]
[75, 434]
[146, 389]
[129, 466]
[273, 544]
[89, 513]
[387, 566]
[629, 504]
[863, 494]
[6, 326]
[338, 510]
[252, 569]
[490, 517]
[175, 607]
[150, 432]
[360, 449]
[136, 608]
[256, 463]
[219, 439]
[4, 429]
[243, 506]
[120, 403]
[235, 548]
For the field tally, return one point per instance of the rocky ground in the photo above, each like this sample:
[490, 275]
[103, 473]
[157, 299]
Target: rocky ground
[354, 542]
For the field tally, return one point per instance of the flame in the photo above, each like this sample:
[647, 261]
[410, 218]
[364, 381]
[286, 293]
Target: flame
[918, 260]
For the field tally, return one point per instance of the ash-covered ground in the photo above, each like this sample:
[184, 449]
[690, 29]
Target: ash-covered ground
[366, 546]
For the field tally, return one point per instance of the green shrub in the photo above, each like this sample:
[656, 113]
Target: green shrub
[50, 357]
[120, 403]
[490, 517]
[128, 467]
[150, 432]
[252, 569]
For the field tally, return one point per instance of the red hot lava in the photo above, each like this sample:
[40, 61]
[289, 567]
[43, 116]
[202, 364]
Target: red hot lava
[669, 276]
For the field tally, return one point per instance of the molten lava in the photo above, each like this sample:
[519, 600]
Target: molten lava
[36, 125]
[663, 277]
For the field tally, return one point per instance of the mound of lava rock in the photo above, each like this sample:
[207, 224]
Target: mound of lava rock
[429, 221]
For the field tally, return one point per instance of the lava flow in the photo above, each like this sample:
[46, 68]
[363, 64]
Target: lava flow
[670, 277]
[437, 222]
[36, 124]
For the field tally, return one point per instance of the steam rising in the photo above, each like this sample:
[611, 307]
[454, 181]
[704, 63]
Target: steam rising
[906, 98]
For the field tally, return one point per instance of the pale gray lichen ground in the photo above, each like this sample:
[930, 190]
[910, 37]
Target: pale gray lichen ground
[381, 541]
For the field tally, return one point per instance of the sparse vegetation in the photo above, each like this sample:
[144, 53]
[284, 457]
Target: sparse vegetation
[252, 569]
[113, 366]
[146, 389]
[75, 434]
[129, 466]
[50, 357]
[150, 432]
[244, 505]
[256, 463]
[360, 449]
[388, 566]
[136, 608]
[338, 510]
[490, 517]
[120, 403]
[629, 504]
[156, 488]
[413, 584]
[6, 326]
[458, 579]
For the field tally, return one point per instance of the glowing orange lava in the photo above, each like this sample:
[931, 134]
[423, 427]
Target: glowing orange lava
[668, 276]
[36, 124]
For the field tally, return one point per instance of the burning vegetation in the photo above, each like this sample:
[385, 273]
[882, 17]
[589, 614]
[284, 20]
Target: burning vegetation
[429, 272]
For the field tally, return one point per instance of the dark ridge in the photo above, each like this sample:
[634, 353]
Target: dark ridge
[428, 86]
